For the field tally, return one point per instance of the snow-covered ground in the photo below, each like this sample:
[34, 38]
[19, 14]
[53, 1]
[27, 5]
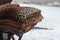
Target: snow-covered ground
[51, 21]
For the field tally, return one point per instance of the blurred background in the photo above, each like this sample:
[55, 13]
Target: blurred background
[40, 2]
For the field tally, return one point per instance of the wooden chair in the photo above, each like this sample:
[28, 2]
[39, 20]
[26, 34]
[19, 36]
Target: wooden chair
[17, 20]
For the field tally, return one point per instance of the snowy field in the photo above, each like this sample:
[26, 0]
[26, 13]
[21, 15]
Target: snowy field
[51, 21]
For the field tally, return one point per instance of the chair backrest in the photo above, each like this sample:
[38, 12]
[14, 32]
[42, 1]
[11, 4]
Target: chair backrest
[7, 15]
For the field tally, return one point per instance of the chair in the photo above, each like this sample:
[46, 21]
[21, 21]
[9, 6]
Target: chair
[17, 20]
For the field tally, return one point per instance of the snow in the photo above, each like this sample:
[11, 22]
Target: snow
[51, 20]
[54, 4]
